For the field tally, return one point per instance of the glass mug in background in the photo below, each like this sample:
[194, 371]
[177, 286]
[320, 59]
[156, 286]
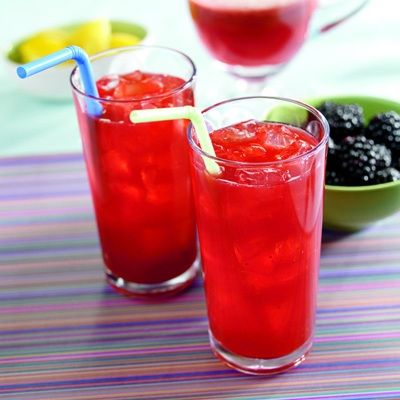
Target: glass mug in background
[254, 39]
[260, 229]
[139, 174]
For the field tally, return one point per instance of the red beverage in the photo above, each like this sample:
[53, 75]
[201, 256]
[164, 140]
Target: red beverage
[140, 182]
[259, 225]
[252, 33]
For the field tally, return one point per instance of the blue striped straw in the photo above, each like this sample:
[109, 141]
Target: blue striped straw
[85, 68]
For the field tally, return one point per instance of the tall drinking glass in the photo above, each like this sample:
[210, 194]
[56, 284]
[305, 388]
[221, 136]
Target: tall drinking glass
[260, 229]
[139, 174]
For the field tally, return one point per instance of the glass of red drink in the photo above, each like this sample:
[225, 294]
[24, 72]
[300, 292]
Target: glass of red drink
[139, 174]
[259, 223]
[254, 39]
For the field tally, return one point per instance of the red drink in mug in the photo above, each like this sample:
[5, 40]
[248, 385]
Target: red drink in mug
[259, 225]
[252, 32]
[139, 174]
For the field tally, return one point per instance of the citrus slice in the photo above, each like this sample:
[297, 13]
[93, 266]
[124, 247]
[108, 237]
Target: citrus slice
[93, 36]
[41, 44]
[120, 39]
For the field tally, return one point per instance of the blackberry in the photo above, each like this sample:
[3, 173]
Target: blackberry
[384, 128]
[387, 175]
[382, 125]
[360, 159]
[344, 119]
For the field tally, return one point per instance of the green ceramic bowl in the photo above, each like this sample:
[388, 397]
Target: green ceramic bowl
[349, 208]
[54, 84]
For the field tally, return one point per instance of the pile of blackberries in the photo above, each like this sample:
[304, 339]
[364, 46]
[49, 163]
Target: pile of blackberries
[359, 153]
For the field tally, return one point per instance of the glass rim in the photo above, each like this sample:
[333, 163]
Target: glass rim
[252, 164]
[187, 82]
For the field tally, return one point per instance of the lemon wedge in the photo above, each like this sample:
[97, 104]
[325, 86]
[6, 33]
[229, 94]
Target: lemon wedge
[93, 36]
[120, 39]
[41, 44]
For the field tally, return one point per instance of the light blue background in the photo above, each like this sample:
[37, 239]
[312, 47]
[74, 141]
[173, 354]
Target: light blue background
[360, 57]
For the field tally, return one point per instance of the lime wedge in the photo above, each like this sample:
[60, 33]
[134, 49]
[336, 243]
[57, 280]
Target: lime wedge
[120, 39]
[93, 36]
[41, 44]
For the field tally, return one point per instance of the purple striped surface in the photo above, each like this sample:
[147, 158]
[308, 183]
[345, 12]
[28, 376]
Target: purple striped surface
[65, 335]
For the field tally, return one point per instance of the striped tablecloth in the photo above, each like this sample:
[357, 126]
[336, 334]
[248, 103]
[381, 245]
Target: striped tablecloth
[65, 335]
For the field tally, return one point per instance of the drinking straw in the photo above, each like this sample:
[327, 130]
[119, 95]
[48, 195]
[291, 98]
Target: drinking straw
[85, 68]
[185, 112]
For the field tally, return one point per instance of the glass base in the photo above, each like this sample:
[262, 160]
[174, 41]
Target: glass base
[248, 81]
[169, 287]
[252, 73]
[260, 366]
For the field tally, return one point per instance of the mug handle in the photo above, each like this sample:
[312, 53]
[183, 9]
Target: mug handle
[330, 13]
